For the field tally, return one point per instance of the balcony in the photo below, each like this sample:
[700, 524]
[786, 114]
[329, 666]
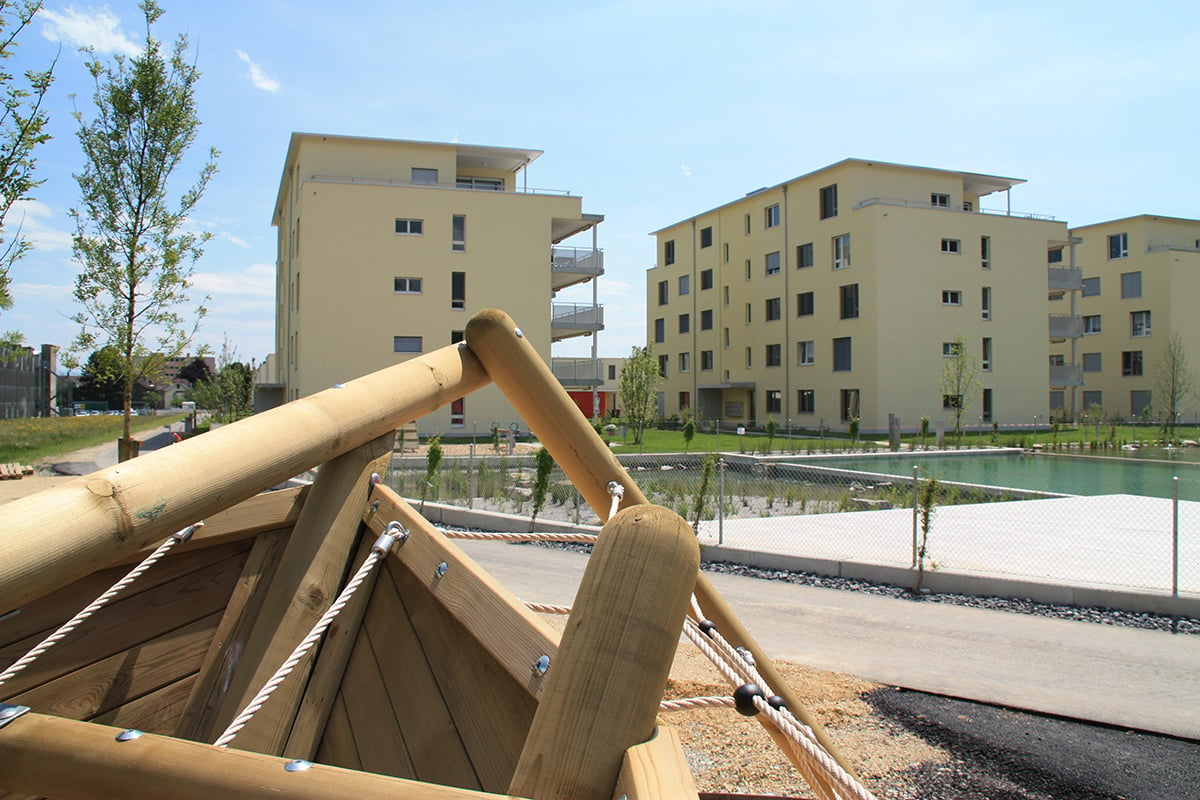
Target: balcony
[1066, 375]
[578, 372]
[966, 208]
[572, 265]
[1180, 245]
[1065, 278]
[574, 319]
[1065, 326]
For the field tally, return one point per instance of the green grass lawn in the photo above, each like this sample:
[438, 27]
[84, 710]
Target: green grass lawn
[29, 440]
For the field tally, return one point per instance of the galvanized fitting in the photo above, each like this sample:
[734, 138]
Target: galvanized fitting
[393, 535]
[10, 712]
[185, 534]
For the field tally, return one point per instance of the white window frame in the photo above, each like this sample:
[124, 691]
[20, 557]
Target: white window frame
[939, 200]
[410, 227]
[952, 246]
[951, 297]
[1139, 324]
[774, 266]
[1118, 246]
[410, 342]
[771, 216]
[841, 251]
[1091, 324]
[410, 285]
[806, 353]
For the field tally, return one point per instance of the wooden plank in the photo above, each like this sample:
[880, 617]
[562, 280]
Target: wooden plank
[488, 610]
[114, 681]
[337, 743]
[128, 623]
[377, 737]
[311, 570]
[121, 509]
[603, 690]
[657, 770]
[491, 709]
[199, 718]
[430, 735]
[157, 712]
[69, 760]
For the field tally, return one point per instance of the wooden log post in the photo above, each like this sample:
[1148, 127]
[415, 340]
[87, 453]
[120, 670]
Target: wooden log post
[59, 535]
[530, 386]
[604, 687]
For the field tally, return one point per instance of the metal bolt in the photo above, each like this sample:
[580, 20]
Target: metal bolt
[10, 712]
[519, 334]
[128, 735]
[374, 506]
[441, 570]
[339, 386]
[298, 765]
[375, 479]
[542, 665]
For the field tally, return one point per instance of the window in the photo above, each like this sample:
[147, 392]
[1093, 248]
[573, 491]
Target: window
[685, 285]
[841, 251]
[747, 224]
[952, 401]
[484, 184]
[660, 330]
[1092, 362]
[951, 246]
[725, 295]
[804, 255]
[968, 205]
[749, 314]
[685, 362]
[706, 237]
[939, 200]
[951, 349]
[951, 297]
[1118, 245]
[685, 400]
[841, 354]
[1092, 399]
[1054, 255]
[706, 279]
[774, 355]
[706, 320]
[612, 372]
[806, 401]
[772, 216]
[829, 201]
[662, 365]
[749, 358]
[804, 304]
[987, 405]
[424, 175]
[1091, 287]
[774, 401]
[1131, 284]
[406, 285]
[457, 336]
[458, 290]
[807, 353]
[985, 361]
[668, 252]
[685, 323]
[1131, 363]
[725, 338]
[406, 344]
[849, 404]
[725, 253]
[748, 275]
[1139, 402]
[1139, 323]
[1057, 360]
[706, 359]
[849, 301]
[985, 252]
[1091, 324]
[458, 234]
[410, 227]
[662, 293]
[773, 263]
[985, 302]
[1057, 400]
[774, 308]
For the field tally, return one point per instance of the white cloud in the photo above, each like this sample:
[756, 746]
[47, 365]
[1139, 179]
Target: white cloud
[257, 280]
[99, 29]
[237, 240]
[687, 170]
[32, 218]
[260, 79]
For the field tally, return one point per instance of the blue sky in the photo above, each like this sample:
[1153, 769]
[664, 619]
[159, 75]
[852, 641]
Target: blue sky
[652, 111]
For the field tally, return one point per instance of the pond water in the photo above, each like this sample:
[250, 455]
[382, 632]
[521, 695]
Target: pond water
[1066, 474]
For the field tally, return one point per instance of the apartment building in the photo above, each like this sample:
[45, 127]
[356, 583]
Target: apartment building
[387, 247]
[1140, 284]
[840, 293]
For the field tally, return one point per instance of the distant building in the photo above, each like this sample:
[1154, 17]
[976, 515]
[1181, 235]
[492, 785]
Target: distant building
[29, 382]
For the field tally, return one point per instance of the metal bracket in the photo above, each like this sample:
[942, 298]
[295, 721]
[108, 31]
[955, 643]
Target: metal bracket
[10, 712]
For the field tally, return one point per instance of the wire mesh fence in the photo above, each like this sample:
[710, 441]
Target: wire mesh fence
[1140, 537]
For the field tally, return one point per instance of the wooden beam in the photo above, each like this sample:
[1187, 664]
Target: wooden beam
[59, 535]
[656, 770]
[310, 574]
[530, 386]
[69, 760]
[603, 690]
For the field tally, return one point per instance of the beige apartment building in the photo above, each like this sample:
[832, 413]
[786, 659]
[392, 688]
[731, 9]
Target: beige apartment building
[1140, 285]
[387, 247]
[839, 293]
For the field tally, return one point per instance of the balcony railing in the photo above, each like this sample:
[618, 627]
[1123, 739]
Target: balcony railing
[578, 371]
[376, 181]
[897, 201]
[1162, 245]
[1066, 375]
[1065, 326]
[572, 265]
[1065, 278]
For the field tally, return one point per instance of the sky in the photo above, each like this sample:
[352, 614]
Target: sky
[651, 111]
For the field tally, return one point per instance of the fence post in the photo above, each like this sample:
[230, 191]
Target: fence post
[1175, 537]
[720, 501]
[916, 504]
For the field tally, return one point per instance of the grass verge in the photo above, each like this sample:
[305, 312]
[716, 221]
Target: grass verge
[32, 439]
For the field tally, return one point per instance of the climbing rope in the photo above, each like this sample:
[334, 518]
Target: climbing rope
[616, 491]
[395, 532]
[586, 538]
[543, 608]
[100, 602]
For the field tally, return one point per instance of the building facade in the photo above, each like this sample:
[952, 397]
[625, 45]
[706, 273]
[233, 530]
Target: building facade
[839, 294]
[387, 247]
[1140, 285]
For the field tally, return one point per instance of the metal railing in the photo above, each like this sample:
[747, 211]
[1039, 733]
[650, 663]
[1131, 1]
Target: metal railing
[577, 259]
[449, 185]
[566, 315]
[577, 371]
[1161, 245]
[898, 201]
[1068, 278]
[1066, 375]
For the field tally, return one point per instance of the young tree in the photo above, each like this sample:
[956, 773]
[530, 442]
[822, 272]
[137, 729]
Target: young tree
[541, 483]
[230, 393]
[22, 128]
[137, 259]
[639, 389]
[960, 379]
[1174, 382]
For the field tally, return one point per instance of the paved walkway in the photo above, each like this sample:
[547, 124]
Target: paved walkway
[1132, 678]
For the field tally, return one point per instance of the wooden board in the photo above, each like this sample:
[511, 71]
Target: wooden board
[158, 712]
[657, 769]
[377, 737]
[337, 745]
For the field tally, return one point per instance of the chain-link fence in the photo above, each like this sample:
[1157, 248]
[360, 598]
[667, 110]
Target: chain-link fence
[825, 509]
